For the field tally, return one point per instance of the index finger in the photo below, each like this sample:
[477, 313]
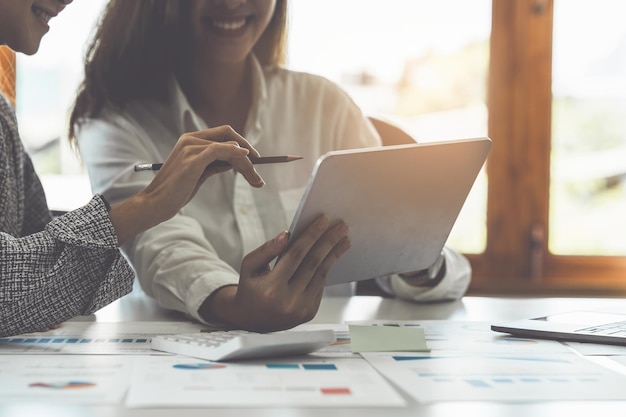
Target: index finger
[226, 133]
[224, 158]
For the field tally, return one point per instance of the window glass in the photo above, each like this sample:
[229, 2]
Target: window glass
[46, 85]
[420, 63]
[588, 168]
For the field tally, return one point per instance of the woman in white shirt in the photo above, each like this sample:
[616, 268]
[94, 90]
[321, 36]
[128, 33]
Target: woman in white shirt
[160, 67]
[54, 269]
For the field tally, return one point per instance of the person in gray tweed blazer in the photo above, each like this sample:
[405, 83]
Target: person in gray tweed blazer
[54, 269]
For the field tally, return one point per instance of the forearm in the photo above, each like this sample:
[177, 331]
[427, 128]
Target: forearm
[133, 216]
[71, 268]
[72, 290]
[177, 265]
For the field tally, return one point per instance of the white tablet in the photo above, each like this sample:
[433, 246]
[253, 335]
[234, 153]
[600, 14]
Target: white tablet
[399, 201]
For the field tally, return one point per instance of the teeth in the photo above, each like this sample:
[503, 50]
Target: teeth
[230, 25]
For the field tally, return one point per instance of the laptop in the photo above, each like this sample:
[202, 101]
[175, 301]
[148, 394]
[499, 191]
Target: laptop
[575, 326]
[400, 202]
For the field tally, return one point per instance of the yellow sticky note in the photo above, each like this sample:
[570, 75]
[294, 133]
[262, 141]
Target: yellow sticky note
[378, 338]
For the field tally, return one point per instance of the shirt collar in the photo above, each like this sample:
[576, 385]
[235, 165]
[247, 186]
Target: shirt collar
[187, 118]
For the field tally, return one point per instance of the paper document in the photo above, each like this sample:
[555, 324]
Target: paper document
[498, 377]
[96, 338]
[67, 379]
[588, 349]
[177, 381]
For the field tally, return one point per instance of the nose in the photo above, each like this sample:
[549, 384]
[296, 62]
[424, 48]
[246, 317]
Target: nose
[63, 4]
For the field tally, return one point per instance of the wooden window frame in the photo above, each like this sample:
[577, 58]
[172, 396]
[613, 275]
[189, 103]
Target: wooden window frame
[516, 259]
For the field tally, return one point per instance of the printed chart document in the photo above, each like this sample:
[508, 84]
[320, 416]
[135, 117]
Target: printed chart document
[498, 377]
[95, 338]
[66, 379]
[177, 381]
[469, 362]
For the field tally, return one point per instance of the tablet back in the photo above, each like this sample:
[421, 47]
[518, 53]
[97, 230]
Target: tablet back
[399, 201]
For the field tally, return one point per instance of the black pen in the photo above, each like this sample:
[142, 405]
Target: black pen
[260, 160]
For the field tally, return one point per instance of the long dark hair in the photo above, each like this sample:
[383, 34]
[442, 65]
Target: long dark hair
[135, 47]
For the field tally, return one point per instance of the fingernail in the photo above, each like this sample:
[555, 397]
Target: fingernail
[281, 238]
[342, 228]
[259, 180]
[322, 223]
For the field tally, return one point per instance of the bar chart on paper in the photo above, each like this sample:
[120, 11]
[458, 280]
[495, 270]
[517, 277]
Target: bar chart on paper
[72, 344]
[457, 377]
[94, 338]
[164, 381]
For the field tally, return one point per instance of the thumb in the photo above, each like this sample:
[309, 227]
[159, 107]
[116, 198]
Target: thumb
[257, 261]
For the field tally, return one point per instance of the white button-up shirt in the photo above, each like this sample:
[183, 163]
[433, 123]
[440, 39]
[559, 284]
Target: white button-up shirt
[183, 260]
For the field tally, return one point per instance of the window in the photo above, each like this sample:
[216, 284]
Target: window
[7, 73]
[588, 163]
[409, 61]
[536, 135]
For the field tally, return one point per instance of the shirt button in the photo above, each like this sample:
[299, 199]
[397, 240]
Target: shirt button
[243, 210]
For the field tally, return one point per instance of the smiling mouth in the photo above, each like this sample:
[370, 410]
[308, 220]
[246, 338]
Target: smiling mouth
[42, 14]
[231, 25]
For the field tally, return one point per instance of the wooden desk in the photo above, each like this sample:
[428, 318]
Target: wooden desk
[137, 307]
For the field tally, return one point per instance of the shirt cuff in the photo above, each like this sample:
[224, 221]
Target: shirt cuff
[201, 289]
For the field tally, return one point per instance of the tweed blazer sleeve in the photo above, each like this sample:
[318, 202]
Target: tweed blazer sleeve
[50, 270]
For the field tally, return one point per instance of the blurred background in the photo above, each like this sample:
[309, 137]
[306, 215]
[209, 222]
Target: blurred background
[550, 220]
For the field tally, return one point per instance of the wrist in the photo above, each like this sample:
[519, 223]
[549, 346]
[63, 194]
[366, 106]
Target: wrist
[219, 307]
[131, 217]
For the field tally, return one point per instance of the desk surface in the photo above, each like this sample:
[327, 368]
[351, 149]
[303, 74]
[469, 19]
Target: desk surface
[138, 307]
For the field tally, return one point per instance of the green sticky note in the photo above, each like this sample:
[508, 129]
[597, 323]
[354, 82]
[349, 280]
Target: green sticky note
[377, 338]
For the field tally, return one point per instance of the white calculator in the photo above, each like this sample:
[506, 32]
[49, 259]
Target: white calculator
[235, 345]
